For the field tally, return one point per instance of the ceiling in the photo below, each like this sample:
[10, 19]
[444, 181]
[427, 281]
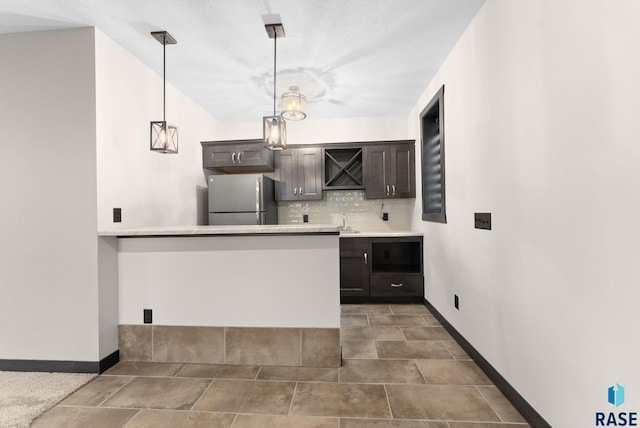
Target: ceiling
[352, 58]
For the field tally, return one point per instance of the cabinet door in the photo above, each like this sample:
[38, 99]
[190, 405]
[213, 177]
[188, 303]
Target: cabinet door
[376, 165]
[402, 171]
[218, 155]
[286, 175]
[309, 173]
[252, 154]
[354, 267]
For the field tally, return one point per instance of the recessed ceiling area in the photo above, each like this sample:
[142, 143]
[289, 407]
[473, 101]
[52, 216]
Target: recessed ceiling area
[355, 58]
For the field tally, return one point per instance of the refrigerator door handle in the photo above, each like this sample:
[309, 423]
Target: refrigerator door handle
[233, 157]
[239, 153]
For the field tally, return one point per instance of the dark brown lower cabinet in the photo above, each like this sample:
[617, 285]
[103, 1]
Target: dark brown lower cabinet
[381, 269]
[354, 266]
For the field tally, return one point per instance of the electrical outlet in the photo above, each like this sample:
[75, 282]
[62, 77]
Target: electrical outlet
[305, 218]
[117, 215]
[385, 216]
[456, 302]
[147, 316]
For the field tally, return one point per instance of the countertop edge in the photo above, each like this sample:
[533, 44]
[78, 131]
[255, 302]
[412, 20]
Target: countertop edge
[195, 231]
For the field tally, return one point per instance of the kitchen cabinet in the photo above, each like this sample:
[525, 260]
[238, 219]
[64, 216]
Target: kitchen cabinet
[237, 156]
[389, 171]
[380, 269]
[298, 174]
[342, 168]
[354, 266]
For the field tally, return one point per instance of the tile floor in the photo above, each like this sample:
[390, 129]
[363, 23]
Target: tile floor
[401, 369]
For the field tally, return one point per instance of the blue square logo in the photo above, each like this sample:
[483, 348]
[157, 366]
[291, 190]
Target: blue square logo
[616, 395]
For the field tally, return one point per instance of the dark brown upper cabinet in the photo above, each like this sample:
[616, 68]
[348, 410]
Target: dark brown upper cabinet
[342, 168]
[389, 170]
[237, 156]
[298, 174]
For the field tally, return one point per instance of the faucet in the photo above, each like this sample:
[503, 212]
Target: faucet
[344, 220]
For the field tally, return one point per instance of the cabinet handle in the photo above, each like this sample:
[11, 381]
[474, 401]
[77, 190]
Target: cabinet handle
[393, 189]
[233, 157]
[239, 161]
[300, 191]
[387, 190]
[396, 285]
[295, 191]
[365, 257]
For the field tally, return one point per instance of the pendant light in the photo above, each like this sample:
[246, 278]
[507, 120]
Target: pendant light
[164, 137]
[293, 103]
[274, 127]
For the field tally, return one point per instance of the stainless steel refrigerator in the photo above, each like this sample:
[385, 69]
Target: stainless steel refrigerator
[242, 199]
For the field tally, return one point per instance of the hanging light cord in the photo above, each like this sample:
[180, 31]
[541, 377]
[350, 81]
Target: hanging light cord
[275, 40]
[164, 79]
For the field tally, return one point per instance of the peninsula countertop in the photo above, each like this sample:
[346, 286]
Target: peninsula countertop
[272, 229]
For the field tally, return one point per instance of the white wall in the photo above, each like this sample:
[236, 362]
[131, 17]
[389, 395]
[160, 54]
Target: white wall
[541, 128]
[314, 131]
[48, 244]
[242, 281]
[152, 189]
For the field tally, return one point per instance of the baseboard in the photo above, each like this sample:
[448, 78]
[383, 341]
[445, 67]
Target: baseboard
[60, 366]
[109, 361]
[525, 409]
[381, 299]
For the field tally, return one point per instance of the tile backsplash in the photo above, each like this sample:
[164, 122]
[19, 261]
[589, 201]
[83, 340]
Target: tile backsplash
[364, 215]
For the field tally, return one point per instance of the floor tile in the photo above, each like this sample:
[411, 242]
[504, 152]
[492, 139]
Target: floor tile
[140, 368]
[173, 418]
[346, 320]
[439, 402]
[320, 347]
[218, 371]
[416, 349]
[390, 423]
[83, 417]
[452, 372]
[359, 349]
[500, 404]
[378, 333]
[380, 371]
[456, 350]
[270, 421]
[425, 333]
[178, 344]
[397, 320]
[135, 342]
[366, 309]
[243, 396]
[263, 346]
[340, 400]
[96, 391]
[409, 309]
[159, 393]
[431, 320]
[485, 425]
[315, 374]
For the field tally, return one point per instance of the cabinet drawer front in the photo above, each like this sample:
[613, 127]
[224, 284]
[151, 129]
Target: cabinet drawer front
[383, 285]
[361, 244]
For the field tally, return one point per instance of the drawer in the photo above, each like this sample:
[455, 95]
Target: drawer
[381, 285]
[361, 244]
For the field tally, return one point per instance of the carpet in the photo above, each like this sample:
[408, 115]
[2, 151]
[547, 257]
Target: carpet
[26, 395]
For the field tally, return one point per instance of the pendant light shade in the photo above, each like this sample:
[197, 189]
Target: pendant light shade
[274, 127]
[293, 104]
[164, 137]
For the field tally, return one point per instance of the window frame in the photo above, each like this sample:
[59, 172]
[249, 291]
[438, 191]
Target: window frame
[433, 108]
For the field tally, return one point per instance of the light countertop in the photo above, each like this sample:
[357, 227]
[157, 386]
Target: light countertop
[386, 234]
[274, 229]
